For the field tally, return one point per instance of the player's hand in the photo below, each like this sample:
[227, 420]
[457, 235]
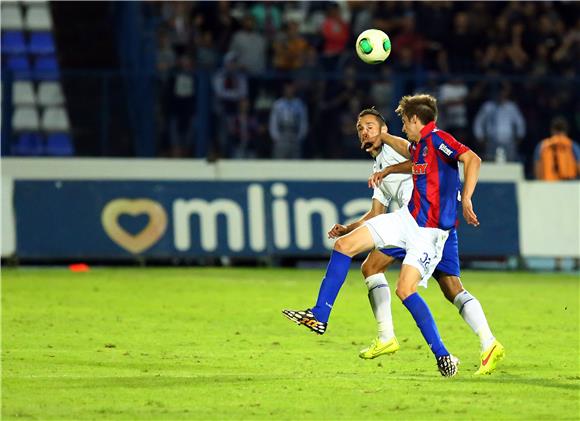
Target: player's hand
[468, 213]
[337, 230]
[376, 178]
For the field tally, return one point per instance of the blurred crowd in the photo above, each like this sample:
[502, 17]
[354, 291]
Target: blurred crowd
[285, 82]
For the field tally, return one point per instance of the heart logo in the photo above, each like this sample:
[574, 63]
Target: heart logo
[148, 236]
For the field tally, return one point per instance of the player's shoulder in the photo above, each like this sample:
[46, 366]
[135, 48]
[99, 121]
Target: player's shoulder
[443, 134]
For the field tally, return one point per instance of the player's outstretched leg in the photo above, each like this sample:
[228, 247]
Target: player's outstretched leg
[407, 292]
[316, 319]
[492, 352]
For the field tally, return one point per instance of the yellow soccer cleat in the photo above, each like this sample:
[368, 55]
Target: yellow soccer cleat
[490, 358]
[378, 348]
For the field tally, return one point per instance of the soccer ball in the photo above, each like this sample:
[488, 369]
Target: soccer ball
[373, 46]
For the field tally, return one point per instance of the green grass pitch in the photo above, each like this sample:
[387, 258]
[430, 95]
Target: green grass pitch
[212, 344]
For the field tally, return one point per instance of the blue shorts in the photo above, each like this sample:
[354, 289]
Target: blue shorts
[449, 263]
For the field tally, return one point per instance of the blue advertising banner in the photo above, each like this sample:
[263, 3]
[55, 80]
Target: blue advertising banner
[119, 219]
[496, 207]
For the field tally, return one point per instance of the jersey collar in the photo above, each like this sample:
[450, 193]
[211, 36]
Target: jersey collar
[428, 128]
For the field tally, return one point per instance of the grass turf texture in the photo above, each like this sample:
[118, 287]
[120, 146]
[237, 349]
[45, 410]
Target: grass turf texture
[212, 344]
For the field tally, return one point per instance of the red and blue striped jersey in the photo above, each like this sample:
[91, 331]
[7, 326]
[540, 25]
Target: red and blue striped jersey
[436, 183]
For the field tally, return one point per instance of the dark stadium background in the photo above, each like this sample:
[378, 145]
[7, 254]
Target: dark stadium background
[196, 82]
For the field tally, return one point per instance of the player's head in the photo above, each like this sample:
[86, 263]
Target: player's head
[559, 125]
[416, 111]
[368, 126]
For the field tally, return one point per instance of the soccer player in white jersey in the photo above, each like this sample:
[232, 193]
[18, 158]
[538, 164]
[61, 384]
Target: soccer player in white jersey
[421, 228]
[392, 182]
[393, 192]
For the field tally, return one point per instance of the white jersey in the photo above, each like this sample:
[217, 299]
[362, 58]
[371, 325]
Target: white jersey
[395, 189]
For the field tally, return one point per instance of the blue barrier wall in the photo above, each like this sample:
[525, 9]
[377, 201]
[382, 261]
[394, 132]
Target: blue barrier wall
[159, 219]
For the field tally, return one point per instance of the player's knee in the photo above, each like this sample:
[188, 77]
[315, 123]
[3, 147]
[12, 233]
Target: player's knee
[368, 268]
[402, 292]
[344, 246]
[450, 286]
[404, 289]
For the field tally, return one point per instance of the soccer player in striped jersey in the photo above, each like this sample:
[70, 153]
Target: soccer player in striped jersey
[446, 273]
[392, 185]
[421, 228]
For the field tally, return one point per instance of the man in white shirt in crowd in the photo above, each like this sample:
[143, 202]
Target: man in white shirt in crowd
[288, 125]
[500, 126]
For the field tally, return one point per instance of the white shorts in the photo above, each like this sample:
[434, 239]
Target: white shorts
[424, 246]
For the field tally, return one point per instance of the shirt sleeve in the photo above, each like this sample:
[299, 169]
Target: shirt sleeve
[448, 146]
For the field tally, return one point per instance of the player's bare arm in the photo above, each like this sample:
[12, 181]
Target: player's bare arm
[397, 143]
[471, 166]
[338, 230]
[400, 168]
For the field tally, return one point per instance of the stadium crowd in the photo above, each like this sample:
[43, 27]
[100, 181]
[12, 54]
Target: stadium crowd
[286, 82]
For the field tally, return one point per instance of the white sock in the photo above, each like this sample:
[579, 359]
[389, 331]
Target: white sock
[380, 299]
[472, 312]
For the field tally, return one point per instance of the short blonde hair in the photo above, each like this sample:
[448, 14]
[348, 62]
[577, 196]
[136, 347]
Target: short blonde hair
[424, 106]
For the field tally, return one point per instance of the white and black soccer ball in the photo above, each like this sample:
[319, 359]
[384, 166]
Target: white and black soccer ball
[373, 46]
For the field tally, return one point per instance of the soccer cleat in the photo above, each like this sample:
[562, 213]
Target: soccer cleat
[378, 348]
[447, 365]
[307, 319]
[490, 358]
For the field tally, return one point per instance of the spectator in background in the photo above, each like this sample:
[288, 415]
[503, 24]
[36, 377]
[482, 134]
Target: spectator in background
[452, 100]
[166, 60]
[568, 51]
[336, 33]
[247, 136]
[177, 16]
[225, 25]
[349, 149]
[381, 92]
[462, 47]
[500, 126]
[250, 47]
[557, 157]
[181, 107]
[364, 16]
[291, 50]
[268, 17]
[409, 38]
[335, 99]
[207, 56]
[166, 56]
[288, 125]
[230, 86]
[515, 49]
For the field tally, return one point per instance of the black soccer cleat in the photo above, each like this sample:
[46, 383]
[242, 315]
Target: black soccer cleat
[447, 365]
[306, 318]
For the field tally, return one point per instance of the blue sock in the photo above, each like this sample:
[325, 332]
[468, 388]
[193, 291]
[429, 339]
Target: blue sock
[335, 275]
[424, 319]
